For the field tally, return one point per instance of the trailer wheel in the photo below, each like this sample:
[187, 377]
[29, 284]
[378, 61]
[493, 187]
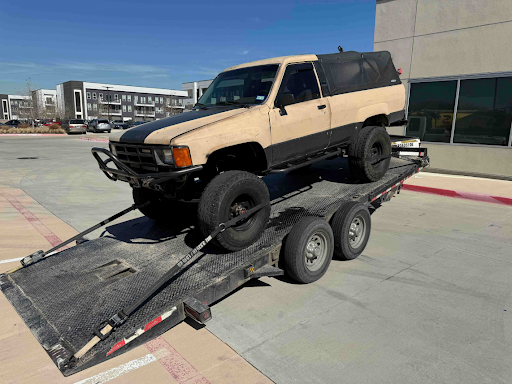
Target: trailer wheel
[308, 249]
[228, 195]
[160, 208]
[365, 154]
[351, 225]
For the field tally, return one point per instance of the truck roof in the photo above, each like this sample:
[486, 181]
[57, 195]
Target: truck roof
[275, 60]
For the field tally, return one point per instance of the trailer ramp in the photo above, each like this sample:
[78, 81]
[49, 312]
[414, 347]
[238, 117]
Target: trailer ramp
[63, 298]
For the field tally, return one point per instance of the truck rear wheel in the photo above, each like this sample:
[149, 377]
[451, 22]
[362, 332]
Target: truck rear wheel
[159, 208]
[308, 249]
[228, 195]
[370, 154]
[351, 225]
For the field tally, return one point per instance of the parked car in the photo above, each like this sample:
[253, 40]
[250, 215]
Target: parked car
[52, 122]
[13, 123]
[99, 125]
[120, 124]
[74, 126]
[268, 116]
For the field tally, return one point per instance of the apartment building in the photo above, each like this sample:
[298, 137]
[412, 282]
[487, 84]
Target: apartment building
[84, 100]
[455, 56]
[45, 103]
[16, 107]
[195, 90]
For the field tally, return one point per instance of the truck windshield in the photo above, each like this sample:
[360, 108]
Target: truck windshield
[249, 85]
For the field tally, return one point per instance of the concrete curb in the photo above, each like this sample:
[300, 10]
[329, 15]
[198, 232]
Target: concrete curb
[459, 195]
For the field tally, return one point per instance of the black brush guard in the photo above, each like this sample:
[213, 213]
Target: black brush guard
[124, 173]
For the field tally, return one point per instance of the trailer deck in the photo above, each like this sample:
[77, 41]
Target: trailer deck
[63, 298]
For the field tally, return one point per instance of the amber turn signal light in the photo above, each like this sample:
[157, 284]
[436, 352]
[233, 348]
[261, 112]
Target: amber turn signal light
[182, 157]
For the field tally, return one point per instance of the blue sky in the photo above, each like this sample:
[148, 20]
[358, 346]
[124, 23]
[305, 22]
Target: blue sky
[162, 44]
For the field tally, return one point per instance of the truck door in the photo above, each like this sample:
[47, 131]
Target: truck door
[300, 118]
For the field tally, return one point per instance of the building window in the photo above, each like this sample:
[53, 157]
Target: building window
[101, 96]
[143, 99]
[89, 106]
[129, 97]
[123, 97]
[78, 102]
[124, 108]
[149, 99]
[484, 112]
[129, 108]
[88, 95]
[116, 96]
[168, 100]
[95, 107]
[94, 95]
[136, 98]
[431, 107]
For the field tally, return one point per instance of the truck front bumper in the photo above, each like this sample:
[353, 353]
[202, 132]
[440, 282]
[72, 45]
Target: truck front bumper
[146, 180]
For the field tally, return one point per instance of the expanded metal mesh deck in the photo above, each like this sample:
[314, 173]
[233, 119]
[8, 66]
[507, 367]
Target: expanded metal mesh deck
[71, 292]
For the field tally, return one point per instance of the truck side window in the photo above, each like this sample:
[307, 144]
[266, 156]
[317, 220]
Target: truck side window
[299, 84]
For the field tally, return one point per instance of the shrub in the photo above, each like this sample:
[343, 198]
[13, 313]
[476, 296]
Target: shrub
[24, 125]
[32, 130]
[53, 126]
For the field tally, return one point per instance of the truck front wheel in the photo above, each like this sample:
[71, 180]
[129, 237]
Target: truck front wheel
[228, 195]
[370, 154]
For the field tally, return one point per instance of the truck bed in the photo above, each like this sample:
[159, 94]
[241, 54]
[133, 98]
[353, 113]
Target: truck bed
[63, 298]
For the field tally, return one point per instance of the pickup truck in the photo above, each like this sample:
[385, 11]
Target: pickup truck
[268, 116]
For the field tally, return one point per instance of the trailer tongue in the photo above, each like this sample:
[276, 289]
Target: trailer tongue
[93, 301]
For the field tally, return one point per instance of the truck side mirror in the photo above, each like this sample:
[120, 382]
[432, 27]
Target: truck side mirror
[284, 100]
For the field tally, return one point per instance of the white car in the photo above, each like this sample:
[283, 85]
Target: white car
[99, 125]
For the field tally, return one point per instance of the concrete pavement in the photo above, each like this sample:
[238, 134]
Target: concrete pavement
[429, 301]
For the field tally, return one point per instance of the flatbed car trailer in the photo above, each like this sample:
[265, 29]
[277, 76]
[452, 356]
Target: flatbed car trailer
[66, 298]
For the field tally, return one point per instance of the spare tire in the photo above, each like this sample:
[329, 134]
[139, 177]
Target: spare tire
[370, 154]
[228, 195]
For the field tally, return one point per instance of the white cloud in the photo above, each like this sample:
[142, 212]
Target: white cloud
[244, 52]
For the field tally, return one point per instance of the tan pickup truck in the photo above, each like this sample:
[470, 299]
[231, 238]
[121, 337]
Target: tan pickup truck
[273, 115]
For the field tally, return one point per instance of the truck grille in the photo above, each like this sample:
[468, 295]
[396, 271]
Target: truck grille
[137, 157]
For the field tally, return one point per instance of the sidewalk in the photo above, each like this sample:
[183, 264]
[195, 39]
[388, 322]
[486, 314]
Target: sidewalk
[464, 187]
[181, 355]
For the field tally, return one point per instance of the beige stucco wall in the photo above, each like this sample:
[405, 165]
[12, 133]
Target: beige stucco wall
[471, 159]
[437, 38]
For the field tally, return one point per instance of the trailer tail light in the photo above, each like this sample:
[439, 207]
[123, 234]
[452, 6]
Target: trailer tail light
[196, 310]
[182, 156]
[400, 71]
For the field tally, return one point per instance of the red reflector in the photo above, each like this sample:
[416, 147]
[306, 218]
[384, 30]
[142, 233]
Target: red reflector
[400, 71]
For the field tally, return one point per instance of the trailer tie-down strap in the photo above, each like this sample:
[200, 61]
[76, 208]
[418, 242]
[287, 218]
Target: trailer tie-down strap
[39, 255]
[105, 328]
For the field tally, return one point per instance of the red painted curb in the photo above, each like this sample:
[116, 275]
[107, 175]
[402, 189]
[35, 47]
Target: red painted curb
[32, 134]
[460, 195]
[96, 140]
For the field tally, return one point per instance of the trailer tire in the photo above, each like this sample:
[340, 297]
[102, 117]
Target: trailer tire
[226, 196]
[351, 225]
[160, 208]
[371, 142]
[308, 249]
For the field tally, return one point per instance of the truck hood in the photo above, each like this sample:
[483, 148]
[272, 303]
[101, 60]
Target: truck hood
[164, 130]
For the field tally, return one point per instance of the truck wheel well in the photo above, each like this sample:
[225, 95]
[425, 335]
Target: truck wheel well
[243, 157]
[379, 120]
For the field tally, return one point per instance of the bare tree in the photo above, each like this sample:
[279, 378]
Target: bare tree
[170, 107]
[27, 107]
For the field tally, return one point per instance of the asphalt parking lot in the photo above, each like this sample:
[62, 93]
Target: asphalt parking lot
[429, 301]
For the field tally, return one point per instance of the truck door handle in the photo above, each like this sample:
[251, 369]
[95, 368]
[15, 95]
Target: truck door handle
[321, 106]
